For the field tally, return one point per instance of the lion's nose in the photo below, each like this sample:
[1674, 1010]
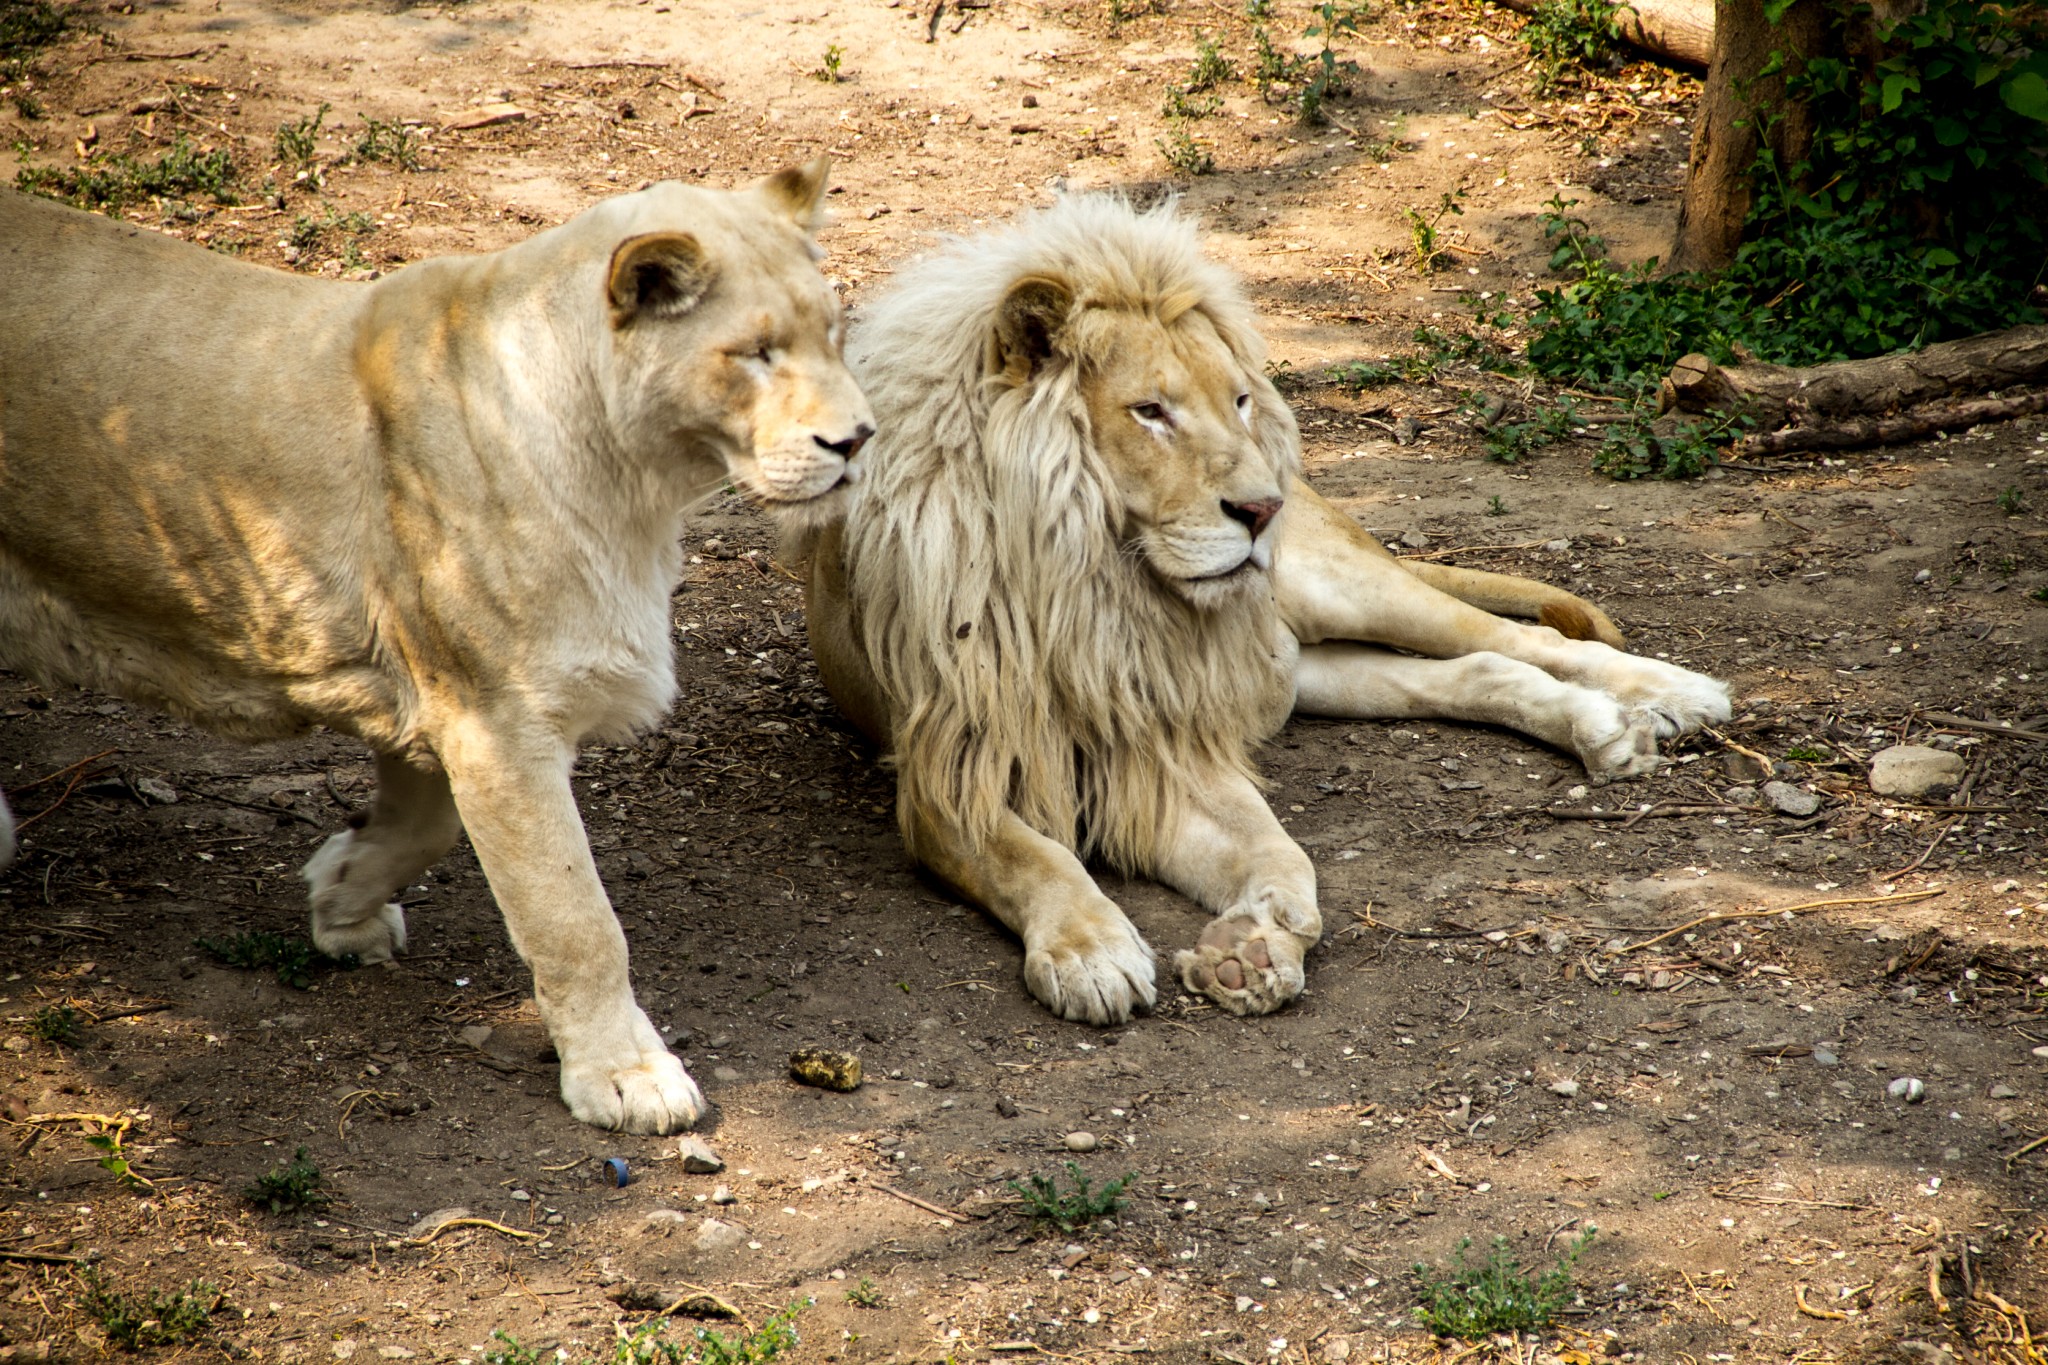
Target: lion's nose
[849, 447]
[1254, 515]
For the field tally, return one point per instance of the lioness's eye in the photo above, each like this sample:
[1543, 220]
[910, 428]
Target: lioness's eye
[1149, 412]
[1244, 402]
[765, 353]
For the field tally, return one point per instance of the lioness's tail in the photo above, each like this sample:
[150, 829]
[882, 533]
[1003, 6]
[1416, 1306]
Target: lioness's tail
[1505, 595]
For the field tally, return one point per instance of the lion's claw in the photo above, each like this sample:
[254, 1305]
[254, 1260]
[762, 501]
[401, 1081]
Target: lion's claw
[1096, 969]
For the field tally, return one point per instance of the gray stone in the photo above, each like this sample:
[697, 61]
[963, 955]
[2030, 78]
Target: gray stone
[667, 1219]
[724, 1195]
[436, 1219]
[1568, 1089]
[1915, 770]
[714, 1235]
[1911, 1089]
[1742, 796]
[1823, 1057]
[1082, 1142]
[476, 1035]
[1743, 768]
[2002, 1091]
[1787, 799]
[698, 1158]
[157, 790]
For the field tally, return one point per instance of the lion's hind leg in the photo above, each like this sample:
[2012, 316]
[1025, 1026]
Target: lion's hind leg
[1359, 682]
[411, 822]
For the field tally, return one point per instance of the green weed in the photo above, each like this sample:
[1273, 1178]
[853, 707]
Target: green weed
[1472, 1302]
[291, 957]
[157, 1319]
[865, 1295]
[1565, 37]
[1577, 247]
[1801, 753]
[1070, 1210]
[650, 1345]
[298, 141]
[1425, 230]
[2011, 502]
[290, 1188]
[55, 1024]
[115, 181]
[828, 70]
[1496, 506]
[389, 142]
[1513, 442]
[1638, 448]
[1211, 68]
[1183, 153]
[1180, 105]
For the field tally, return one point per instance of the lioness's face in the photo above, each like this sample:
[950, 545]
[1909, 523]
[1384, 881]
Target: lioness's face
[739, 336]
[1172, 411]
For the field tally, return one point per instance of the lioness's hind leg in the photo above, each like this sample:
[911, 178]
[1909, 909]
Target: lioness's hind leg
[411, 822]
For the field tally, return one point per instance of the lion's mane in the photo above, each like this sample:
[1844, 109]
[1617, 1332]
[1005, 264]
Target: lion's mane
[1030, 657]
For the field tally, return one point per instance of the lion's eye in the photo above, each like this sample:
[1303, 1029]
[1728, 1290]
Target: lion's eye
[1148, 412]
[765, 353]
[1244, 402]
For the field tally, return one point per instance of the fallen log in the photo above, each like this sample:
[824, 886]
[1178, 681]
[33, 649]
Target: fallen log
[1776, 395]
[1678, 30]
[1856, 433]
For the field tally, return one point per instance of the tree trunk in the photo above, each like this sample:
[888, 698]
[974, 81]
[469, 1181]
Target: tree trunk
[1681, 31]
[1725, 135]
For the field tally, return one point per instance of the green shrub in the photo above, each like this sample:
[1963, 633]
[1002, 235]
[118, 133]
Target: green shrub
[1070, 1210]
[1476, 1301]
[1564, 36]
[113, 182]
[156, 1319]
[291, 1188]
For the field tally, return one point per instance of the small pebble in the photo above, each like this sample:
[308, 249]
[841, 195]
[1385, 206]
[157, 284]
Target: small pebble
[724, 1195]
[1924, 576]
[2041, 1052]
[521, 1195]
[1823, 1057]
[1908, 1088]
[2002, 1091]
[1082, 1142]
[1787, 799]
[1568, 1089]
[698, 1158]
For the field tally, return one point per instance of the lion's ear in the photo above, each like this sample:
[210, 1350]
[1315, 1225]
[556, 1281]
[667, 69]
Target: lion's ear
[657, 274]
[798, 192]
[1028, 326]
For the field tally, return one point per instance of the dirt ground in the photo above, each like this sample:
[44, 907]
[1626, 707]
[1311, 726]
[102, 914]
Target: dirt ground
[1714, 1100]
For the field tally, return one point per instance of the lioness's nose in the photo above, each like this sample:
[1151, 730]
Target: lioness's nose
[1254, 515]
[849, 447]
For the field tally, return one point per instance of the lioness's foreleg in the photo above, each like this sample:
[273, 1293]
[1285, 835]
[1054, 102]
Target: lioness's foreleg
[1359, 682]
[1333, 582]
[410, 823]
[1231, 856]
[511, 784]
[1082, 958]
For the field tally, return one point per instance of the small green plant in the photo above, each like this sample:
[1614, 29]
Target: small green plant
[116, 181]
[1258, 9]
[2039, 594]
[1638, 448]
[1496, 506]
[26, 27]
[1070, 1210]
[291, 1188]
[1183, 153]
[157, 1319]
[1566, 37]
[1329, 76]
[1425, 230]
[865, 1295]
[828, 70]
[291, 957]
[1513, 442]
[114, 1158]
[1471, 1302]
[1211, 67]
[1577, 247]
[1271, 67]
[651, 1345]
[2011, 502]
[390, 142]
[55, 1024]
[1802, 753]
[1180, 105]
[298, 141]
[25, 104]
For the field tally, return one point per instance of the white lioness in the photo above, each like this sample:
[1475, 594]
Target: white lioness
[439, 512]
[1066, 601]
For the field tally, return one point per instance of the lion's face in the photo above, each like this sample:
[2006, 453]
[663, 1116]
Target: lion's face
[1172, 412]
[736, 337]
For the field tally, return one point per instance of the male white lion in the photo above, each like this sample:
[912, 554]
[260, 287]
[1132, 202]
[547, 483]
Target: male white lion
[439, 512]
[1066, 601]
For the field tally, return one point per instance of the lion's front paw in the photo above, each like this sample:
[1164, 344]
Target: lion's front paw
[376, 939]
[647, 1092]
[350, 917]
[1677, 701]
[1096, 968]
[1616, 742]
[1245, 962]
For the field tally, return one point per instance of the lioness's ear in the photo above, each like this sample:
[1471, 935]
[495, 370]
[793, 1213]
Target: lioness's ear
[798, 192]
[1028, 325]
[656, 274]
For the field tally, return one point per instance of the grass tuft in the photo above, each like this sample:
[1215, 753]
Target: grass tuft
[156, 1319]
[113, 182]
[651, 1345]
[290, 1188]
[1476, 1301]
[1070, 1210]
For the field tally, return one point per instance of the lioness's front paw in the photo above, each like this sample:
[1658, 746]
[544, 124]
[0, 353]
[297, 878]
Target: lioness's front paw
[376, 939]
[1096, 969]
[647, 1093]
[350, 917]
[1615, 742]
[1245, 962]
[1675, 700]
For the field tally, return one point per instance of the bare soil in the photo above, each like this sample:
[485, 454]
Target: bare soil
[1757, 1193]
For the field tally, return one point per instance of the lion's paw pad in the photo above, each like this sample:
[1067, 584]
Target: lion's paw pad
[1245, 963]
[652, 1094]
